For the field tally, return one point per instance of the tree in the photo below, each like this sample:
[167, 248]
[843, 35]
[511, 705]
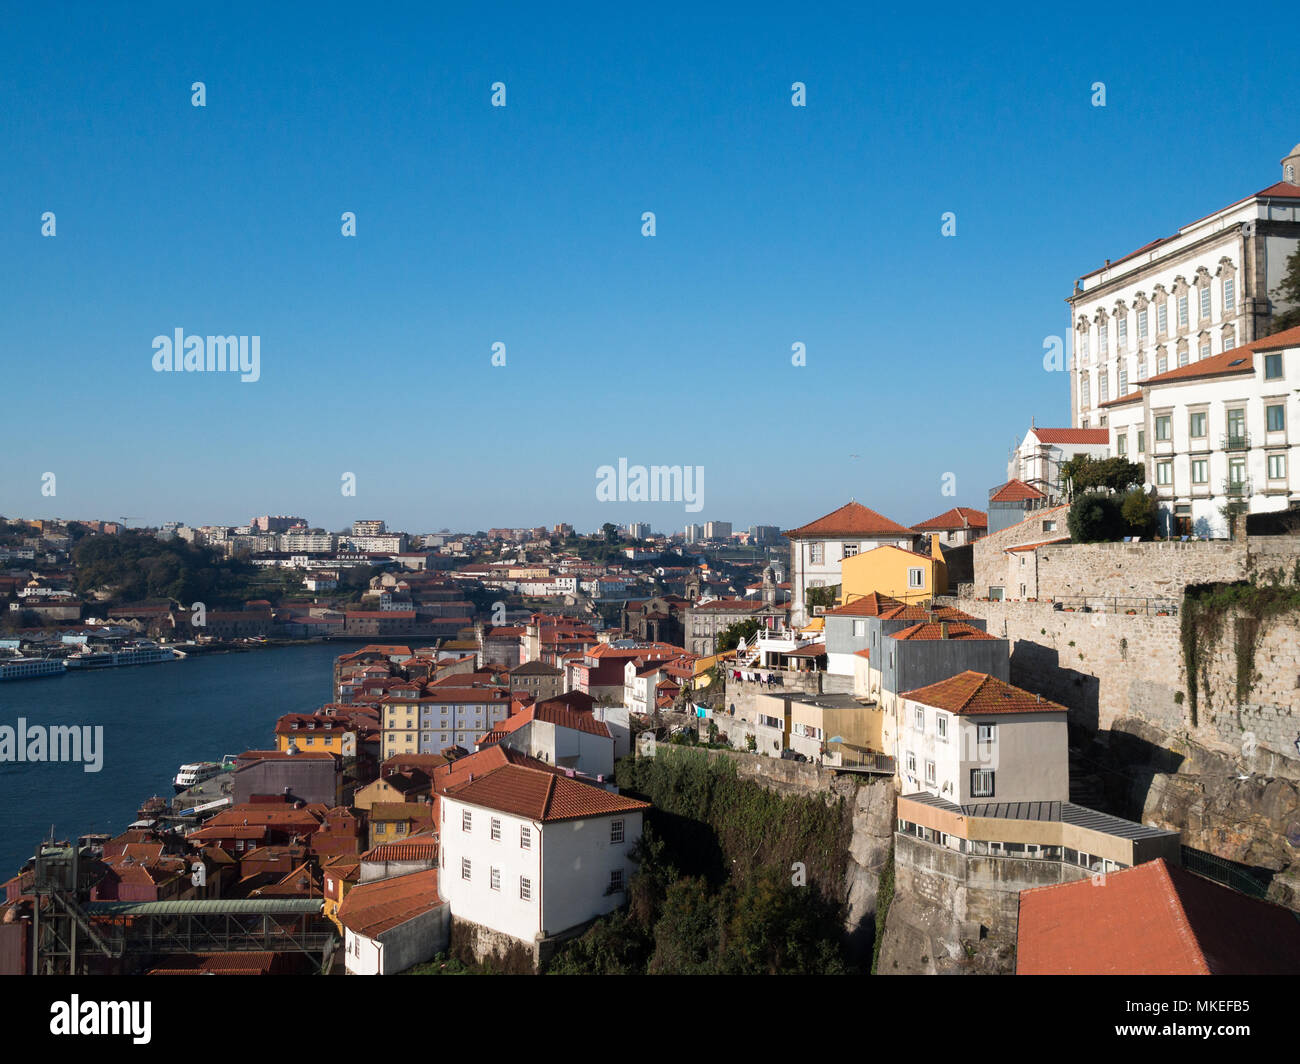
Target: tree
[611, 532]
[1288, 292]
[1095, 518]
[729, 638]
[1086, 473]
[821, 596]
[1141, 512]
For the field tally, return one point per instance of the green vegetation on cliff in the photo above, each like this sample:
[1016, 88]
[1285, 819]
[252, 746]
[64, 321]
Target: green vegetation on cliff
[733, 878]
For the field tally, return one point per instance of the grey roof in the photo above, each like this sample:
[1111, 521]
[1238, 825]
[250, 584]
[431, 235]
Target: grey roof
[1066, 812]
[195, 907]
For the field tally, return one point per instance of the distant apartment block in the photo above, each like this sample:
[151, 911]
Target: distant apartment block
[369, 528]
[275, 524]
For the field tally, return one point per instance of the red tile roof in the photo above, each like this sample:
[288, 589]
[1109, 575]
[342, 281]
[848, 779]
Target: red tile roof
[1015, 491]
[1072, 436]
[851, 519]
[1238, 360]
[1153, 919]
[870, 605]
[936, 630]
[554, 713]
[373, 908]
[957, 517]
[978, 693]
[926, 613]
[540, 795]
[1130, 398]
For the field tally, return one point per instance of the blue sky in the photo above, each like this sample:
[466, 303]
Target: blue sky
[522, 224]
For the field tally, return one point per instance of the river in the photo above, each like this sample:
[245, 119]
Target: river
[155, 717]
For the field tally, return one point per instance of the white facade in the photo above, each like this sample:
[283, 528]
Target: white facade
[1210, 441]
[533, 878]
[1037, 461]
[815, 562]
[555, 744]
[1198, 294]
[999, 757]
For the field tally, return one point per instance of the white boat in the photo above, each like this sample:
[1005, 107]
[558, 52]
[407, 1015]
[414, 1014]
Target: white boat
[196, 772]
[129, 654]
[30, 668]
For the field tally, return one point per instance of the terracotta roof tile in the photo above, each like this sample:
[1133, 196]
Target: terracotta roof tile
[871, 605]
[1072, 436]
[956, 518]
[928, 630]
[851, 519]
[539, 795]
[373, 908]
[978, 693]
[1015, 491]
[1153, 919]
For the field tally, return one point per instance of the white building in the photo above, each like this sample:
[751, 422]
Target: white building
[975, 738]
[1217, 433]
[557, 735]
[1182, 298]
[391, 924]
[307, 542]
[1037, 461]
[717, 529]
[530, 853]
[817, 548]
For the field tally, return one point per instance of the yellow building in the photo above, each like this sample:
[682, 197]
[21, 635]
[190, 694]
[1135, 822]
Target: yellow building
[906, 575]
[315, 733]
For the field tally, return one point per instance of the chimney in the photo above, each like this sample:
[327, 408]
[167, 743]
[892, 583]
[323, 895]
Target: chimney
[943, 629]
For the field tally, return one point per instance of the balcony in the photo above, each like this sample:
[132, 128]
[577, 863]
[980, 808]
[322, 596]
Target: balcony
[1239, 441]
[1236, 489]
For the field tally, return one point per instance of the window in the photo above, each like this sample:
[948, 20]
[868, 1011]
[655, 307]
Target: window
[919, 718]
[1049, 526]
[1103, 337]
[1103, 387]
[496, 829]
[1183, 358]
[525, 838]
[1236, 425]
[986, 734]
[850, 550]
[616, 880]
[616, 831]
[1237, 472]
[1196, 425]
[1273, 367]
[1083, 346]
[1164, 473]
[1200, 471]
[1275, 417]
[1162, 362]
[981, 783]
[859, 628]
[941, 723]
[494, 878]
[1229, 293]
[464, 868]
[1162, 318]
[911, 762]
[1123, 376]
[1121, 445]
[1121, 330]
[1164, 427]
[930, 775]
[1142, 324]
[1205, 301]
[1277, 467]
[1205, 349]
[465, 820]
[916, 578]
[1182, 310]
[1084, 390]
[1142, 441]
[525, 888]
[816, 553]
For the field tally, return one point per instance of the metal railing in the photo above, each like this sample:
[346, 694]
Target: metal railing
[1235, 441]
[1115, 604]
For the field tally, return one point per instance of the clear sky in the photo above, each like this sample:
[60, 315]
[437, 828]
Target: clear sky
[522, 225]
